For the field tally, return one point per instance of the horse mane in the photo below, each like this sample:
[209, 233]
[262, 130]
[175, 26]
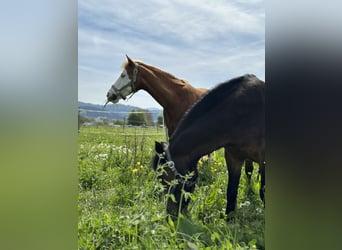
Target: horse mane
[125, 63]
[205, 102]
[158, 70]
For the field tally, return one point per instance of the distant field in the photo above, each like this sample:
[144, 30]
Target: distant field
[121, 205]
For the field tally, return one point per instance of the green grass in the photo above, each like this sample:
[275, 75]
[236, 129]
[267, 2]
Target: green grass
[121, 203]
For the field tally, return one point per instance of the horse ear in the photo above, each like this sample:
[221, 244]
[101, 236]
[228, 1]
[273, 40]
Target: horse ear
[158, 147]
[130, 61]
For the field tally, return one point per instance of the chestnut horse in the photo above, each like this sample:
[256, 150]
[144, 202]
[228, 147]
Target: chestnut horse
[232, 116]
[175, 95]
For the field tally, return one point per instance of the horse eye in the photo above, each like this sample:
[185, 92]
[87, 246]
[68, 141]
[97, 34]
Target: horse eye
[123, 75]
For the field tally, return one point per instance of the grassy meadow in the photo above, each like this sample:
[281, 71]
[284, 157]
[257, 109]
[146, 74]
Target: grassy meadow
[121, 203]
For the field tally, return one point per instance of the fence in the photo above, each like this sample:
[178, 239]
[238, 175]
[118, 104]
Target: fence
[118, 119]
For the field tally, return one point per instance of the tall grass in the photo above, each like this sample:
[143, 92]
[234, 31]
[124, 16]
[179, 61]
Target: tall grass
[121, 203]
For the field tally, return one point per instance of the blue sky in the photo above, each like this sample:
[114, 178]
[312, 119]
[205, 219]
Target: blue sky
[203, 42]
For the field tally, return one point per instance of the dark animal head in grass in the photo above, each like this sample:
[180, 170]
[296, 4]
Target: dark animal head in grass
[176, 185]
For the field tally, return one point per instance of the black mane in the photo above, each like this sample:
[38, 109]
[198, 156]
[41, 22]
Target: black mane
[207, 101]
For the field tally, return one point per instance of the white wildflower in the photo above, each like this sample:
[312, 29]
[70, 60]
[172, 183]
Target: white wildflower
[101, 157]
[245, 204]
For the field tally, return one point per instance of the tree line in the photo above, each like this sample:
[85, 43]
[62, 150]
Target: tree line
[136, 117]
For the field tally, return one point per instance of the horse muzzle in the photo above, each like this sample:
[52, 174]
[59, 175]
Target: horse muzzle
[112, 97]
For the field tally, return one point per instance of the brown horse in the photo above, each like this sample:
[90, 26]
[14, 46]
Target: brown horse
[175, 95]
[232, 116]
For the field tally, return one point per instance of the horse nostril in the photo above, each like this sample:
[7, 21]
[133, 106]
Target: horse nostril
[111, 96]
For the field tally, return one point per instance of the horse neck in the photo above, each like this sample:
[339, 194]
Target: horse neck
[185, 149]
[163, 87]
[185, 158]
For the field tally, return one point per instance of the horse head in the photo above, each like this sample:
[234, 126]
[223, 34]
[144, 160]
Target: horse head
[125, 84]
[172, 180]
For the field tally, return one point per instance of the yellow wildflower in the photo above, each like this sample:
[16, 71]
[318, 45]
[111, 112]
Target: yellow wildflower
[134, 170]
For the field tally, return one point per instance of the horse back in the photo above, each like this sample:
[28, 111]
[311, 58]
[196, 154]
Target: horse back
[230, 115]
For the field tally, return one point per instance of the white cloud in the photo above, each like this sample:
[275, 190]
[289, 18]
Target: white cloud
[205, 42]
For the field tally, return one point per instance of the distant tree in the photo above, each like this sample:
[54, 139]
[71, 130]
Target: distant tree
[149, 118]
[137, 118]
[118, 122]
[83, 119]
[160, 120]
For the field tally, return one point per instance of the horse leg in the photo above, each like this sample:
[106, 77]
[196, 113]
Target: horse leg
[262, 184]
[248, 169]
[234, 171]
